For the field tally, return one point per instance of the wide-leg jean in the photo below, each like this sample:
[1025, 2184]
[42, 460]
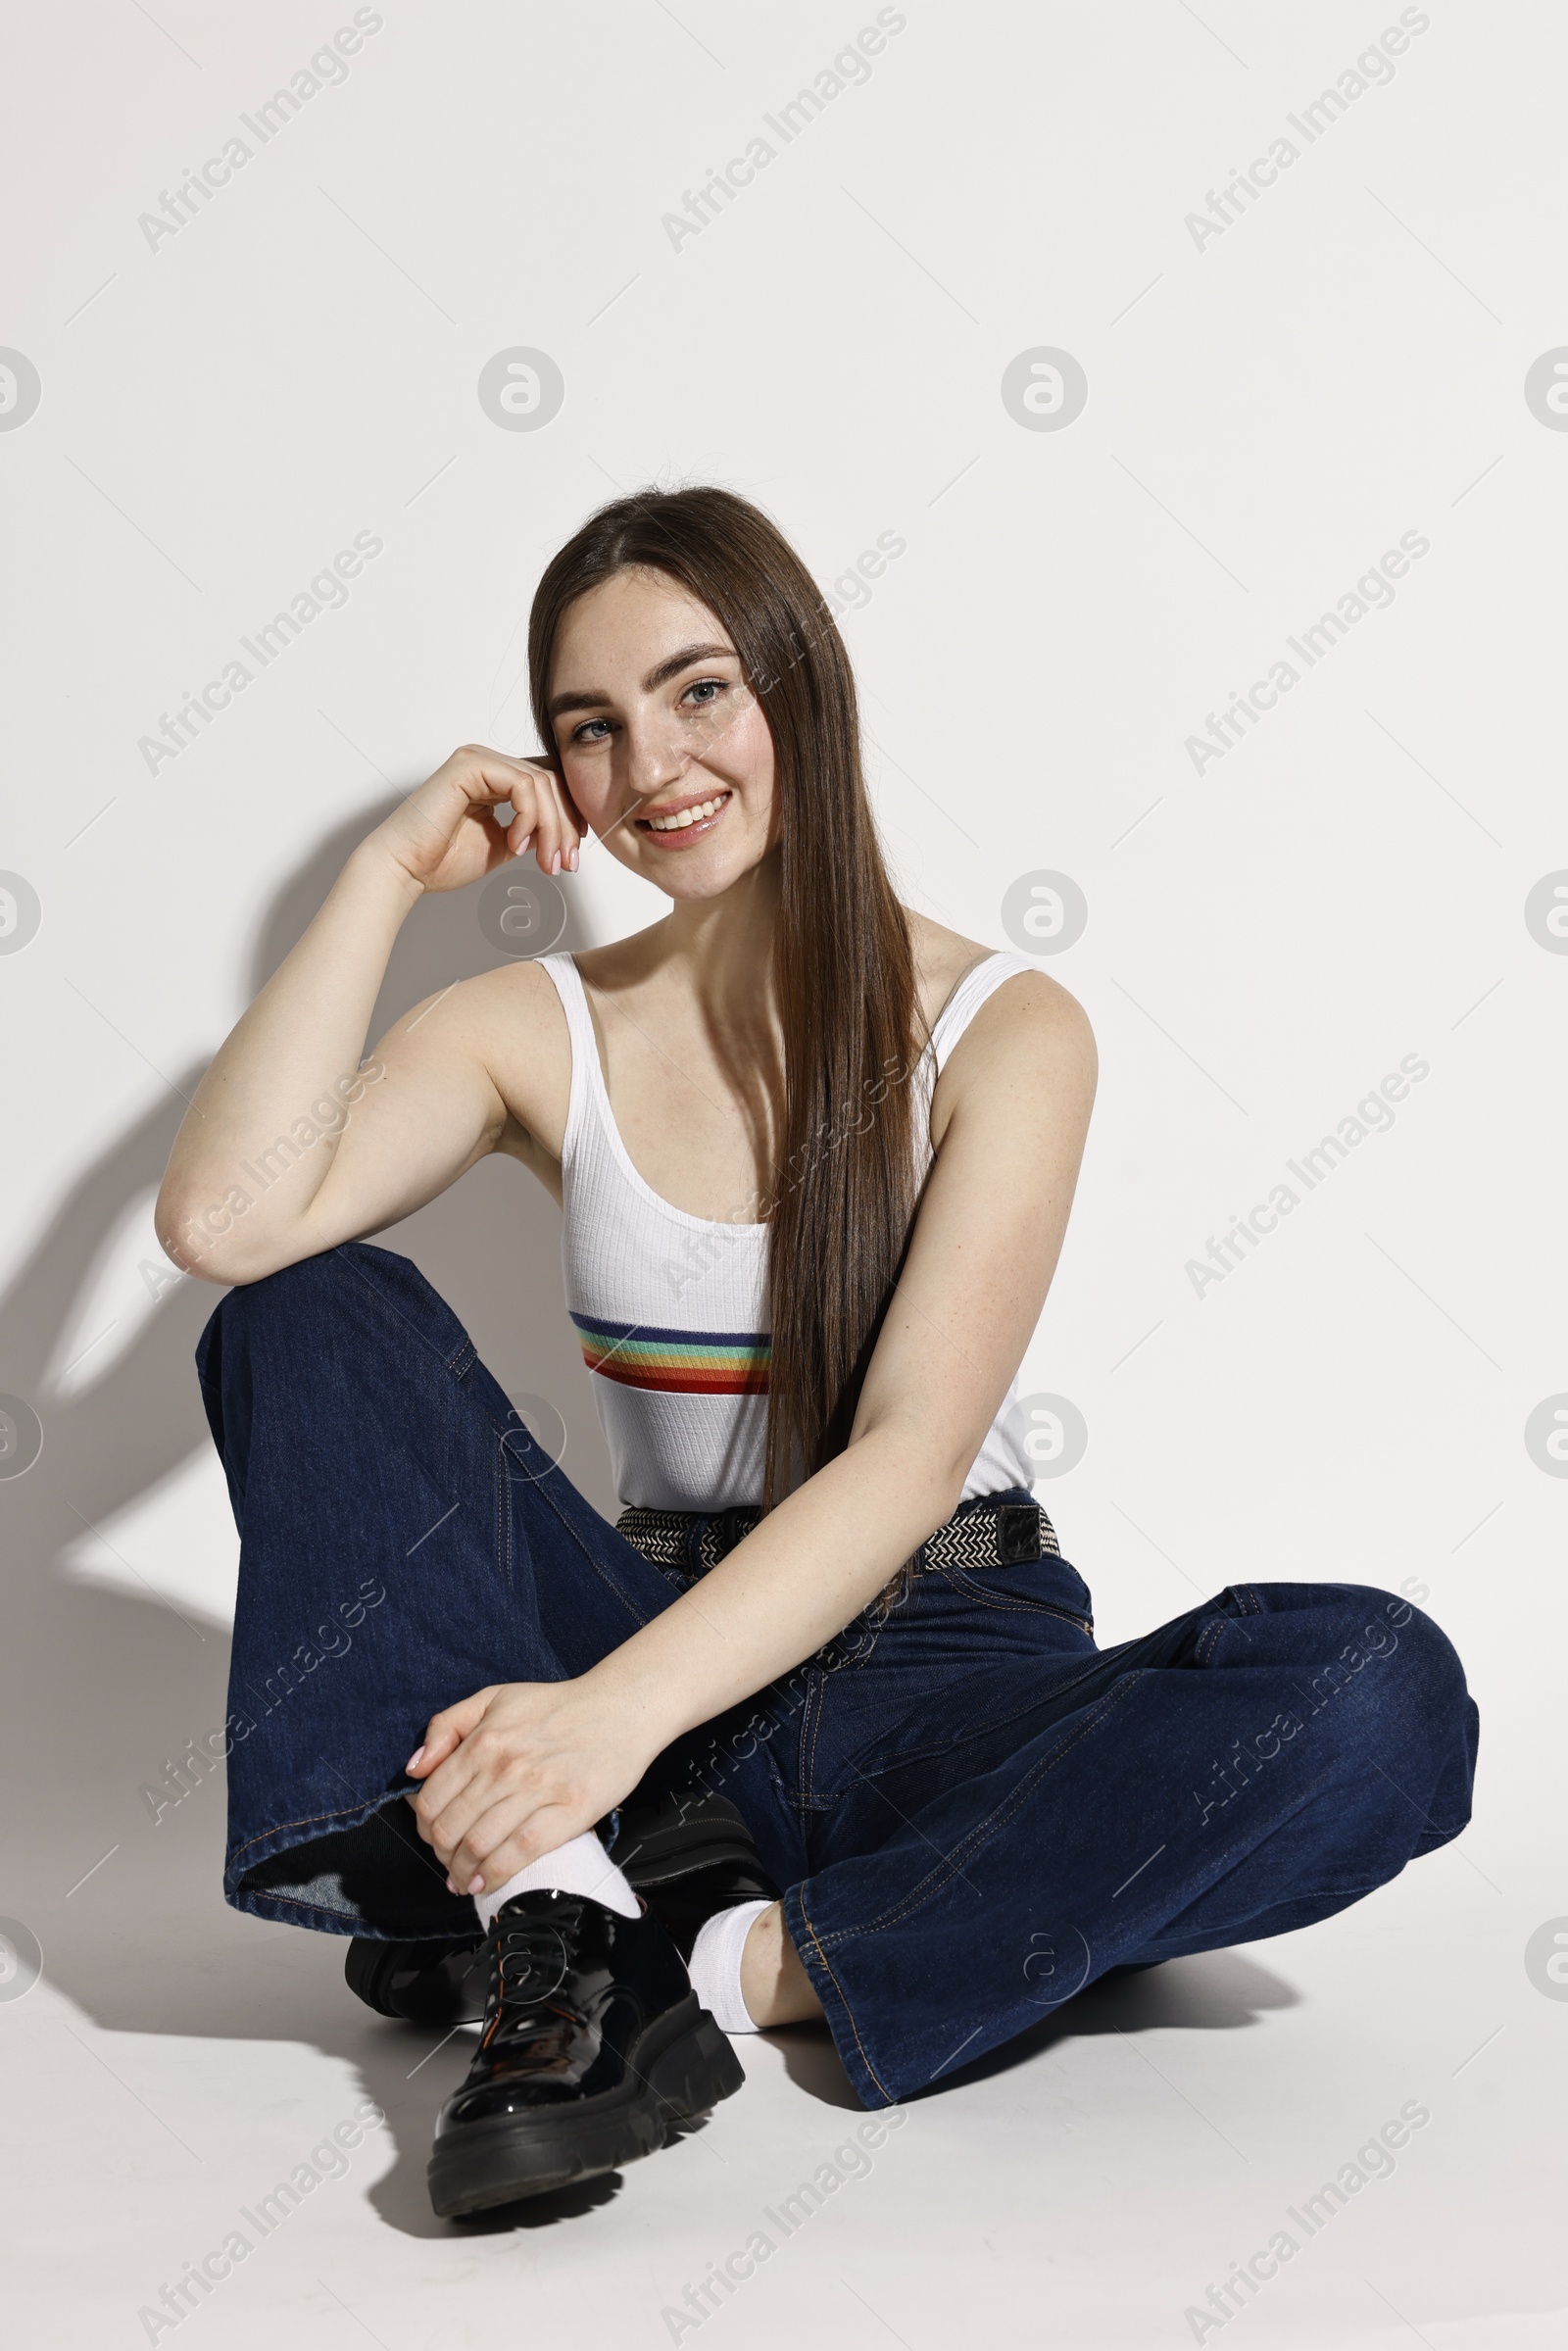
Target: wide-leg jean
[973, 1811]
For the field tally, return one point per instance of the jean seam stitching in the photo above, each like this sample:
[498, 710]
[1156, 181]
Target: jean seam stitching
[807, 1751]
[820, 1693]
[984, 1831]
[816, 1945]
[504, 1550]
[811, 1716]
[308, 1822]
[872, 1769]
[605, 1574]
[966, 1590]
[315, 1910]
[345, 1256]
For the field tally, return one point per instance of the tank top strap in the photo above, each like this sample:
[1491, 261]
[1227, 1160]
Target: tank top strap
[980, 982]
[588, 1104]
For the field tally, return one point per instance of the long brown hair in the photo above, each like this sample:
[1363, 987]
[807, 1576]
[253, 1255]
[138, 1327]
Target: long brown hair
[845, 1184]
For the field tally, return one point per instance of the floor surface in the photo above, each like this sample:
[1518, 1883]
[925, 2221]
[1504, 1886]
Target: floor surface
[175, 2062]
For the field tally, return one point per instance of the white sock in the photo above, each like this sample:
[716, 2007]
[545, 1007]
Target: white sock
[714, 1966]
[581, 1866]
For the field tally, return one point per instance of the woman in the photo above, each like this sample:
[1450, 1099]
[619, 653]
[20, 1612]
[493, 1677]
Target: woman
[816, 1155]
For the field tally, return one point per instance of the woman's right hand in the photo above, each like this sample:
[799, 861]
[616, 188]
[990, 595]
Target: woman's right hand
[444, 835]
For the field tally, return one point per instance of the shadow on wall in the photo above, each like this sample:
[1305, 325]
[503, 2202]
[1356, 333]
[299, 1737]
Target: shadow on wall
[104, 1683]
[492, 1245]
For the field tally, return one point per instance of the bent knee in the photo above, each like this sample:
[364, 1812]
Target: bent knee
[372, 1295]
[310, 1277]
[1409, 1678]
[1396, 1626]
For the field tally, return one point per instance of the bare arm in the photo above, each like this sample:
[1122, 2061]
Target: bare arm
[512, 1772]
[983, 1252]
[289, 1147]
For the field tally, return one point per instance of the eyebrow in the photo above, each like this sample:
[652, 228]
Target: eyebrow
[595, 699]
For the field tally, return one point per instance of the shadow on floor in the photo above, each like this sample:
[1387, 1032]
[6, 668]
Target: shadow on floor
[102, 1685]
[1213, 1991]
[408, 2072]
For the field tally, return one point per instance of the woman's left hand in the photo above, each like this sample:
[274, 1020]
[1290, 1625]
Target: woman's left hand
[515, 1771]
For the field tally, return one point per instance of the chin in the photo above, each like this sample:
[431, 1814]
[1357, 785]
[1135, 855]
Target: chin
[687, 879]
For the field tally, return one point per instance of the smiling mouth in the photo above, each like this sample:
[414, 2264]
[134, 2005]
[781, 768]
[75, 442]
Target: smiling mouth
[673, 828]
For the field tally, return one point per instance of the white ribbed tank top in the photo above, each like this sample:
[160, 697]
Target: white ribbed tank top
[671, 1309]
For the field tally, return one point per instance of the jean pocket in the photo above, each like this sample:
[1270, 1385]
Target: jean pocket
[1044, 1586]
[852, 1647]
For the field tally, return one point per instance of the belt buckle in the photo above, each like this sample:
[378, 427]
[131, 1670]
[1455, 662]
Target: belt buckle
[1017, 1533]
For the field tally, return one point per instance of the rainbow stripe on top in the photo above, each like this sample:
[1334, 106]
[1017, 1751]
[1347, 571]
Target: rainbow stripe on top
[676, 1362]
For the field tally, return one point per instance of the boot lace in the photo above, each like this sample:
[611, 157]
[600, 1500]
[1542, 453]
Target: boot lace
[530, 1959]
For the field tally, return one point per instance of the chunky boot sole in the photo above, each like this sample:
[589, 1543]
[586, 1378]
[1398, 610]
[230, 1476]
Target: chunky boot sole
[680, 2067]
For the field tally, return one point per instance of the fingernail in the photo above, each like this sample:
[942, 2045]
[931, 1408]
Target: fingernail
[554, 863]
[476, 1882]
[412, 1763]
[451, 1883]
[571, 862]
[524, 843]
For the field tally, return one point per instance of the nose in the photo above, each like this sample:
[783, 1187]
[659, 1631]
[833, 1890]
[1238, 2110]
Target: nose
[655, 757]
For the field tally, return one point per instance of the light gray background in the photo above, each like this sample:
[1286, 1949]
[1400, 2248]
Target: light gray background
[1266, 415]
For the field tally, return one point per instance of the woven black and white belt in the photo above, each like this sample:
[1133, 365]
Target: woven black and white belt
[980, 1534]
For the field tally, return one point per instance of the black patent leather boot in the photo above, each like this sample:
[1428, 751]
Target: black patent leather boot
[594, 2045]
[689, 1854]
[431, 1983]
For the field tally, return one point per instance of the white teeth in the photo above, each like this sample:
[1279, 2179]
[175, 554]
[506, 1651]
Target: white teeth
[687, 816]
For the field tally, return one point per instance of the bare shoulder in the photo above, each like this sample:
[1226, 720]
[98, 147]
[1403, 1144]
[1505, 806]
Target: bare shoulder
[1030, 1009]
[1030, 1023]
[940, 959]
[1026, 1061]
[509, 1025]
[489, 1009]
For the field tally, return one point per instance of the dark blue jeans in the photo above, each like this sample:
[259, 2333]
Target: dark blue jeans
[973, 1811]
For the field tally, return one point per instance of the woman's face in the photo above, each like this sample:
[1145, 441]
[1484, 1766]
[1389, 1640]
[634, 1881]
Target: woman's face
[647, 697]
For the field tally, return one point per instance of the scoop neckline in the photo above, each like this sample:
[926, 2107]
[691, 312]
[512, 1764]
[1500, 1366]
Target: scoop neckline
[618, 1144]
